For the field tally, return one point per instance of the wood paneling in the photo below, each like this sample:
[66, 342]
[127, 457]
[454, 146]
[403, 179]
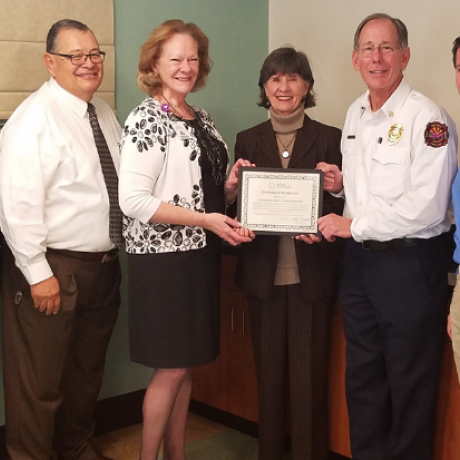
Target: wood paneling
[229, 383]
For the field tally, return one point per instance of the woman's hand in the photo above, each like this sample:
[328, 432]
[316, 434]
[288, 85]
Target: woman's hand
[227, 228]
[231, 184]
[309, 239]
[245, 232]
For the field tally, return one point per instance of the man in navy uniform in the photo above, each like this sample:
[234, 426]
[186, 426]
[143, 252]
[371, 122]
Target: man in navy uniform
[399, 159]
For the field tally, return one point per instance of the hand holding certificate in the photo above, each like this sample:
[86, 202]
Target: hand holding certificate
[280, 201]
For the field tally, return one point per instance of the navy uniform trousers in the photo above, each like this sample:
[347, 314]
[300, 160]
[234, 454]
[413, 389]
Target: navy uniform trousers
[394, 314]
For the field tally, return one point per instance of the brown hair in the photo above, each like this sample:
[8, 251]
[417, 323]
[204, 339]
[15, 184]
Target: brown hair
[286, 60]
[455, 48]
[147, 79]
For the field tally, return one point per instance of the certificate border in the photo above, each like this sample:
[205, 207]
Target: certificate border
[244, 174]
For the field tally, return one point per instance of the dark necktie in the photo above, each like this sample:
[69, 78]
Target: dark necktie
[110, 177]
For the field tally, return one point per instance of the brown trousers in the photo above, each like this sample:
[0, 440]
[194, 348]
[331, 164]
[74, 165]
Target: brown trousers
[53, 365]
[291, 349]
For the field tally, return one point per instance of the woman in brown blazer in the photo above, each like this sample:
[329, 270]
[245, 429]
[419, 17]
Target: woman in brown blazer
[291, 283]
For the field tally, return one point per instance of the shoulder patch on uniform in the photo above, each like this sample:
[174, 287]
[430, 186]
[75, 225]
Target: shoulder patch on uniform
[436, 134]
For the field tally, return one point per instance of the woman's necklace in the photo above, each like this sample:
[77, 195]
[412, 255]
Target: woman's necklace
[286, 153]
[177, 111]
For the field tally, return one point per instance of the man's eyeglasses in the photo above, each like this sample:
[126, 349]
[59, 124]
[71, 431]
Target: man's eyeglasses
[386, 50]
[80, 59]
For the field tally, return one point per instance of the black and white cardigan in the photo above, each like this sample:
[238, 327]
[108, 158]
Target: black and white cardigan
[160, 163]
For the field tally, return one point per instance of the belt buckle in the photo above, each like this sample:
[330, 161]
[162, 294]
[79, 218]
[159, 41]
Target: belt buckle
[109, 256]
[364, 246]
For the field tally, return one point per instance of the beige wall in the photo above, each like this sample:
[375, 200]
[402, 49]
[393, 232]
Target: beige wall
[24, 25]
[324, 29]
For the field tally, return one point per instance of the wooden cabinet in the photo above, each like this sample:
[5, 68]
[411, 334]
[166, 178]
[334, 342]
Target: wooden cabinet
[339, 439]
[230, 382]
[447, 438]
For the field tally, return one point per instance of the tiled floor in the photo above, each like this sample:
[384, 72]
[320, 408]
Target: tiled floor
[124, 444]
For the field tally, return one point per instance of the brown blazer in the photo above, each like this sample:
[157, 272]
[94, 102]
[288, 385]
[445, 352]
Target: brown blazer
[319, 264]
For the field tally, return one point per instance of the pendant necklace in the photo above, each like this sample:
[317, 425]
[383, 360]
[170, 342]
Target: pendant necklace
[286, 153]
[175, 109]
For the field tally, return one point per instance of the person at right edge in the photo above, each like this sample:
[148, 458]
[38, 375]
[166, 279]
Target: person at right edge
[454, 318]
[399, 160]
[291, 283]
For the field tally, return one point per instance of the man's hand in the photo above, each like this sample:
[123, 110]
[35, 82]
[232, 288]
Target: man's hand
[46, 295]
[333, 179]
[333, 225]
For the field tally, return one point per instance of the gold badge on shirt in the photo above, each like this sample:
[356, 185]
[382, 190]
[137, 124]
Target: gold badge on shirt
[395, 134]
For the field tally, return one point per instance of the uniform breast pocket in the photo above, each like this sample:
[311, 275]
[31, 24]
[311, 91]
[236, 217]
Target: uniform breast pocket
[388, 171]
[349, 158]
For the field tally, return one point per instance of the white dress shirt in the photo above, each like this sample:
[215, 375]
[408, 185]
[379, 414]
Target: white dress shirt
[52, 191]
[400, 190]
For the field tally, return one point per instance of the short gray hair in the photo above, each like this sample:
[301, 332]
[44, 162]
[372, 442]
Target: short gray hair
[403, 36]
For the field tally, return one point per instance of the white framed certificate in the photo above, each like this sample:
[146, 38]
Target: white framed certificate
[280, 201]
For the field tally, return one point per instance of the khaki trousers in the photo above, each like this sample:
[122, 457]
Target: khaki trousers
[455, 323]
[53, 365]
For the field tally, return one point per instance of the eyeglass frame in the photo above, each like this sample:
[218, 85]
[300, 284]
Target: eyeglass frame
[101, 54]
[386, 50]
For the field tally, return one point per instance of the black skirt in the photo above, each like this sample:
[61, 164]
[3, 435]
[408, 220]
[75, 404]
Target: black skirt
[174, 316]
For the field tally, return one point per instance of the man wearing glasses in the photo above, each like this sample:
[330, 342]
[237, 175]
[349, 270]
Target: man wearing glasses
[60, 217]
[399, 160]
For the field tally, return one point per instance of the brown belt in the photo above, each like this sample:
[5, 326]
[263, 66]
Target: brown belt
[102, 257]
